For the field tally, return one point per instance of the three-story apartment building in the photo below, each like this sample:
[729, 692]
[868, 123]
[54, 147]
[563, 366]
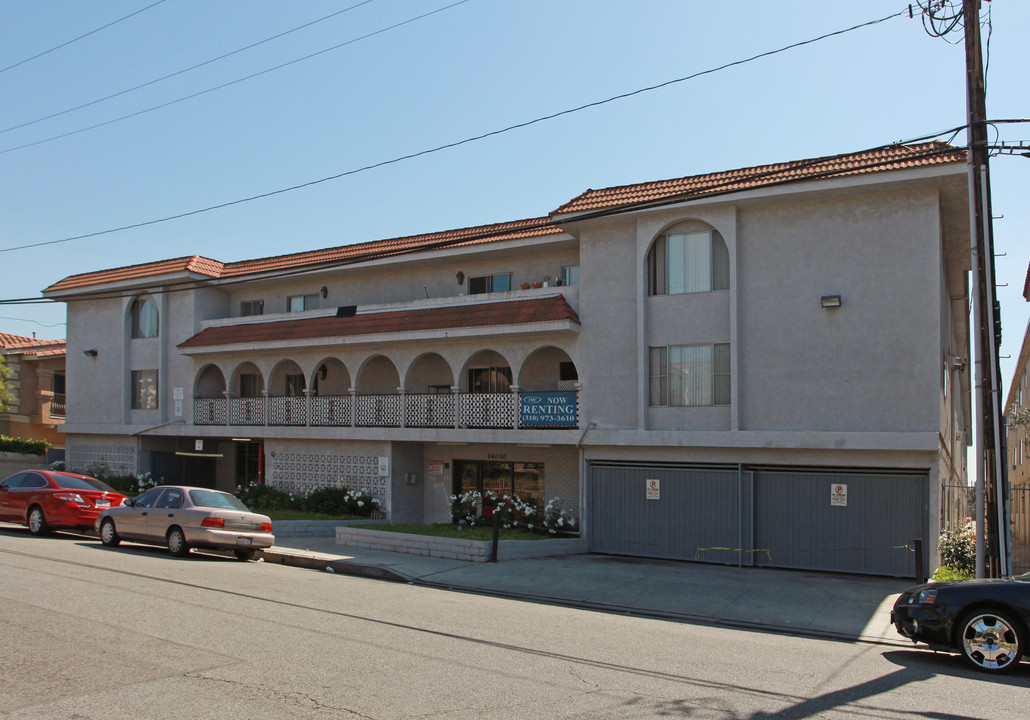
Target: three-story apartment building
[756, 366]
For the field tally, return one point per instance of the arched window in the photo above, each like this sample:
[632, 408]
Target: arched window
[144, 318]
[688, 262]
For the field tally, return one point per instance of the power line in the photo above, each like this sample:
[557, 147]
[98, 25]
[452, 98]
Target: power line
[724, 188]
[185, 70]
[80, 37]
[454, 144]
[234, 82]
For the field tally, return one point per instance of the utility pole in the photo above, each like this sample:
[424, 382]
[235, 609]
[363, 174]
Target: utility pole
[991, 465]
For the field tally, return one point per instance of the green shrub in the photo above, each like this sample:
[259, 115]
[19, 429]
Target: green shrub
[340, 501]
[132, 484]
[264, 497]
[948, 574]
[957, 548]
[23, 446]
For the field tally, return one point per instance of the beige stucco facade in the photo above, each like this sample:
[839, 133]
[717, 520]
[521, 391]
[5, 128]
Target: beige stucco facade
[867, 386]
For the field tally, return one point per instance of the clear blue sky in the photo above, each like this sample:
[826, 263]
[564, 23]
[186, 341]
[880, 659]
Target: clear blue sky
[477, 67]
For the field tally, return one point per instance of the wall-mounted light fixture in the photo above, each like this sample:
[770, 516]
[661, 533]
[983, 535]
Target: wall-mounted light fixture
[322, 372]
[830, 301]
[92, 352]
[325, 292]
[461, 277]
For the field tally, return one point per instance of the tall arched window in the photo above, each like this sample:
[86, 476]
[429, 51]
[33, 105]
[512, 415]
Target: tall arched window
[144, 318]
[688, 262]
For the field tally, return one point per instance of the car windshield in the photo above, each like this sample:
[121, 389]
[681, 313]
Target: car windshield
[72, 482]
[215, 499]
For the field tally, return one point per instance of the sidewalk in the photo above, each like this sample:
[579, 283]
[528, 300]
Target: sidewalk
[845, 607]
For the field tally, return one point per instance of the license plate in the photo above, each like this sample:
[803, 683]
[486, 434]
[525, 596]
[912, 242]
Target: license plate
[103, 503]
[243, 541]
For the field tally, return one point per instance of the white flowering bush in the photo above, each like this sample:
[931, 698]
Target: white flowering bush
[467, 509]
[474, 509]
[341, 501]
[559, 520]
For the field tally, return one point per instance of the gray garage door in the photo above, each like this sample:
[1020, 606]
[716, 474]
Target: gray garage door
[840, 521]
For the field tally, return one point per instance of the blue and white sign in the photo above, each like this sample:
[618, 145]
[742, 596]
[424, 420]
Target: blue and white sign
[551, 409]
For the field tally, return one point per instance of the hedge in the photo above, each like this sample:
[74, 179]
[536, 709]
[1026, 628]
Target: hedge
[23, 446]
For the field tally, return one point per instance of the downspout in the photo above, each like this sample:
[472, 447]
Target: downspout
[583, 519]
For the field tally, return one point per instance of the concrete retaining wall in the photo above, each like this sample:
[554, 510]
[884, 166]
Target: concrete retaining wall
[456, 548]
[313, 528]
[11, 463]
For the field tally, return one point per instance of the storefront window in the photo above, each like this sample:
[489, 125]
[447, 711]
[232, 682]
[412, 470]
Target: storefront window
[504, 478]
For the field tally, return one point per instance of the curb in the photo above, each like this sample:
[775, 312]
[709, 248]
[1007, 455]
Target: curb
[334, 565]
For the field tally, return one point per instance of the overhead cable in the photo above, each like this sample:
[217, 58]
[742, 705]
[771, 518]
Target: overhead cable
[183, 71]
[447, 146]
[233, 82]
[80, 37]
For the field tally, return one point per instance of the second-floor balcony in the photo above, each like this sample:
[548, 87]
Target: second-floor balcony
[558, 410]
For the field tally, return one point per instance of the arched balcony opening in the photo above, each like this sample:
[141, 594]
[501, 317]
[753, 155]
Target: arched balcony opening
[488, 401]
[287, 404]
[549, 385]
[330, 401]
[209, 402]
[246, 396]
[378, 403]
[548, 369]
[429, 396]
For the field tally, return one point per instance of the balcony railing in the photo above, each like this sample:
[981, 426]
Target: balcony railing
[58, 408]
[522, 410]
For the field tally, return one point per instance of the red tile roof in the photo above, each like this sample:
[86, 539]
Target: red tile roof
[31, 346]
[496, 232]
[193, 264]
[513, 312]
[894, 157]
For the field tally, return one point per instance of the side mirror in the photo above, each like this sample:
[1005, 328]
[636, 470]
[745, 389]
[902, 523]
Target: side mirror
[129, 502]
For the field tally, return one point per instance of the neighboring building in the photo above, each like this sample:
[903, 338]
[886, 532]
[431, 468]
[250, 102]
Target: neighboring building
[1018, 440]
[37, 382]
[755, 366]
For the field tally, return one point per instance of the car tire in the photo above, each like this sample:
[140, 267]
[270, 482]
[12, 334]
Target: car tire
[177, 544]
[991, 640]
[108, 535]
[37, 521]
[243, 555]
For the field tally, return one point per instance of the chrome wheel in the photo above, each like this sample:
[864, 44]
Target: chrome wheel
[177, 542]
[37, 521]
[990, 641]
[108, 535]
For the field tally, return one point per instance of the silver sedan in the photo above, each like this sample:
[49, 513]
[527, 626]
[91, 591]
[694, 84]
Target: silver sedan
[182, 517]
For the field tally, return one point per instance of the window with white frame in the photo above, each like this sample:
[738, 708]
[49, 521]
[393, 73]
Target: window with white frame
[688, 262]
[690, 375]
[144, 318]
[144, 389]
[570, 275]
[299, 303]
[500, 282]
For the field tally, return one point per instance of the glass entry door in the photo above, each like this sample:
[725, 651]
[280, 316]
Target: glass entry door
[503, 478]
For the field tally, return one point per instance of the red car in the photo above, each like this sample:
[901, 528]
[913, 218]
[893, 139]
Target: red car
[48, 500]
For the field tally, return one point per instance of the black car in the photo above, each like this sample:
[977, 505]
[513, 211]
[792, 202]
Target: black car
[986, 621]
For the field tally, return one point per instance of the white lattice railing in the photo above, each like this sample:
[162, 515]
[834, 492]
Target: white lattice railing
[443, 410]
[331, 410]
[287, 410]
[486, 410]
[210, 411]
[246, 411]
[378, 410]
[432, 410]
